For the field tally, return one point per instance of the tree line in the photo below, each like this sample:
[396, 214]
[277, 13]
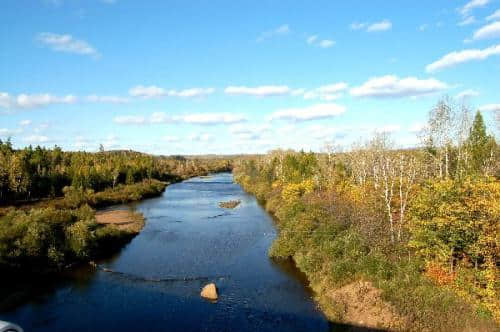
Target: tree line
[33, 173]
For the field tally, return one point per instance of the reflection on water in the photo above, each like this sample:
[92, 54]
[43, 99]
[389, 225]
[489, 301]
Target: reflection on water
[153, 284]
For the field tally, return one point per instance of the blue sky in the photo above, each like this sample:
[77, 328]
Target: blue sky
[194, 77]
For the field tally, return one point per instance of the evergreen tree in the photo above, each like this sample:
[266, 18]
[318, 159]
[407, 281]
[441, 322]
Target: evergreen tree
[478, 143]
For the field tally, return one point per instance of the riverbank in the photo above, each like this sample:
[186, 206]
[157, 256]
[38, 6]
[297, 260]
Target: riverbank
[52, 235]
[354, 281]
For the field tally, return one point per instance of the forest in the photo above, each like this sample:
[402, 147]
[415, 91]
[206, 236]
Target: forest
[48, 199]
[421, 224]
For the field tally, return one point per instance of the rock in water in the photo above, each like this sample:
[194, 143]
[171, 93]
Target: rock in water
[209, 292]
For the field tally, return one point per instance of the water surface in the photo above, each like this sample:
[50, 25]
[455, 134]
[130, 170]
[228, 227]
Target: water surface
[154, 283]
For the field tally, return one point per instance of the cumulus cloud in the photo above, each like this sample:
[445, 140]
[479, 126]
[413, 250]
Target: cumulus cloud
[311, 39]
[357, 26]
[154, 91]
[107, 99]
[458, 57]
[490, 108]
[159, 117]
[495, 16]
[313, 112]
[327, 92]
[489, 31]
[417, 127]
[259, 91]
[249, 132]
[66, 43]
[279, 31]
[468, 93]
[467, 21]
[379, 26]
[211, 118]
[195, 118]
[36, 139]
[383, 25]
[32, 101]
[24, 123]
[147, 91]
[391, 86]
[323, 43]
[9, 132]
[469, 6]
[129, 119]
[171, 139]
[423, 27]
[191, 93]
[203, 137]
[326, 43]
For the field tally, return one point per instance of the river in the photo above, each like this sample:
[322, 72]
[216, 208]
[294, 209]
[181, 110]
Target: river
[154, 283]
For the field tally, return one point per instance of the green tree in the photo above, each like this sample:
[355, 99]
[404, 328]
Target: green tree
[478, 143]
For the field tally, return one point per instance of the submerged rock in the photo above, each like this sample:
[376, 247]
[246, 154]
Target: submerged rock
[209, 292]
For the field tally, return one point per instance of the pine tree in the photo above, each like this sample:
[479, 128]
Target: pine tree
[478, 143]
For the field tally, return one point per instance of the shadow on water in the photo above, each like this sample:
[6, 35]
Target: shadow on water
[154, 282]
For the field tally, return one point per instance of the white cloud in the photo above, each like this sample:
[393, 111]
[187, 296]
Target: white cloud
[129, 119]
[196, 118]
[357, 26]
[379, 26]
[249, 132]
[32, 101]
[423, 27]
[191, 93]
[467, 21]
[107, 99]
[469, 6]
[279, 31]
[66, 43]
[417, 127]
[203, 137]
[458, 57]
[489, 31]
[36, 139]
[311, 39]
[467, 94]
[391, 86]
[495, 16]
[383, 25]
[159, 117]
[25, 123]
[154, 91]
[318, 111]
[147, 91]
[259, 91]
[490, 108]
[211, 118]
[171, 139]
[326, 43]
[327, 92]
[9, 132]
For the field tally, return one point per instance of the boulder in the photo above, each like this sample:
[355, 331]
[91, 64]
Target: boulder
[209, 292]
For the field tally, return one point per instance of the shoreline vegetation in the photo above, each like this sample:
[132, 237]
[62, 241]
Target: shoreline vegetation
[389, 238]
[48, 202]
